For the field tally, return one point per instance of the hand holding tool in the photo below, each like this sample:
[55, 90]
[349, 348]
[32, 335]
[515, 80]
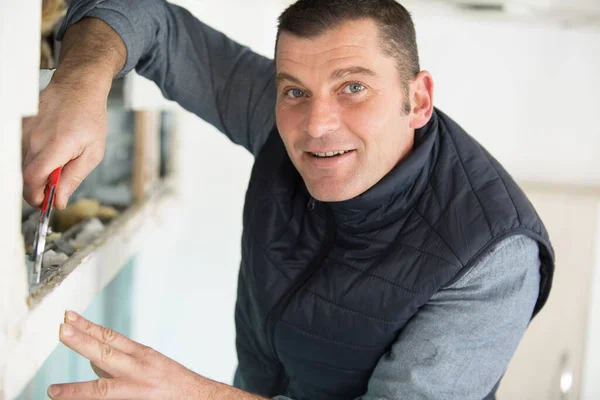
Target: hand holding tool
[39, 242]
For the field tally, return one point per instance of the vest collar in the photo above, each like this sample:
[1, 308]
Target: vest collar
[397, 191]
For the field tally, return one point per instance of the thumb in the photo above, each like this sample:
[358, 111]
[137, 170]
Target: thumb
[75, 171]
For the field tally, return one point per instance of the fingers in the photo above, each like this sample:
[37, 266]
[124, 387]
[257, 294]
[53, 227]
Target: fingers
[100, 389]
[78, 167]
[70, 128]
[100, 373]
[37, 169]
[105, 356]
[75, 172]
[102, 334]
[141, 374]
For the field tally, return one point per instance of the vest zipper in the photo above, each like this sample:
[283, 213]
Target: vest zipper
[304, 278]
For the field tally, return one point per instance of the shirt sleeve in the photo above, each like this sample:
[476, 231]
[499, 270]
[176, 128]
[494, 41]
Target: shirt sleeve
[221, 81]
[459, 344]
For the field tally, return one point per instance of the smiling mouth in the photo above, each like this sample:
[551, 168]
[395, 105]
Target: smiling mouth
[331, 154]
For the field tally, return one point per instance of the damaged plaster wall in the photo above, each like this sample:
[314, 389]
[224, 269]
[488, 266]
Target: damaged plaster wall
[18, 97]
[13, 285]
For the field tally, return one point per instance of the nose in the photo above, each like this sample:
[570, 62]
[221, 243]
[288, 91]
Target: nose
[323, 117]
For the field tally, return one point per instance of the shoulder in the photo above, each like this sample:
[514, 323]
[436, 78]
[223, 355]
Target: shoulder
[506, 262]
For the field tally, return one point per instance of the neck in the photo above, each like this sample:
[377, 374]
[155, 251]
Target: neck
[398, 189]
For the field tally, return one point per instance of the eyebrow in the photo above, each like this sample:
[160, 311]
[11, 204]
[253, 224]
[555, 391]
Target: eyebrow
[340, 73]
[282, 76]
[337, 74]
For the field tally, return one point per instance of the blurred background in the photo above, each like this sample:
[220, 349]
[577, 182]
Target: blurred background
[522, 77]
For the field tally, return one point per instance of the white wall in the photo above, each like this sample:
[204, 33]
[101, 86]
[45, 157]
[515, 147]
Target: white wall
[527, 92]
[186, 280]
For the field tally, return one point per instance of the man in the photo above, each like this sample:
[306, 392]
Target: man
[385, 253]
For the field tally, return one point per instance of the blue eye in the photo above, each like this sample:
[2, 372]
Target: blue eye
[294, 93]
[353, 88]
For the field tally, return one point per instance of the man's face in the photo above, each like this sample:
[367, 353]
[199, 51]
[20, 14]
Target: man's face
[340, 109]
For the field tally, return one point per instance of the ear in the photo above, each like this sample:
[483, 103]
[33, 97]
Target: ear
[421, 100]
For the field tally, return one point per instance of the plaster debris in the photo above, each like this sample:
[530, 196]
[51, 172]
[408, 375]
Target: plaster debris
[28, 228]
[107, 213]
[120, 195]
[52, 237]
[53, 259]
[82, 210]
[89, 231]
[63, 246]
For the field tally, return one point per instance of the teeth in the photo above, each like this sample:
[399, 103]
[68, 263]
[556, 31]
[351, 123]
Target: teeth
[329, 153]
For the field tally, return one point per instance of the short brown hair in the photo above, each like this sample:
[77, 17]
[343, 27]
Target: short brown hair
[311, 18]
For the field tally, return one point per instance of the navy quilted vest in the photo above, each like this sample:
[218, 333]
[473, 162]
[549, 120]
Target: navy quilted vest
[325, 288]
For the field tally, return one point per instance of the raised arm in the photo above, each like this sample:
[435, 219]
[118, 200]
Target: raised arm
[222, 82]
[459, 344]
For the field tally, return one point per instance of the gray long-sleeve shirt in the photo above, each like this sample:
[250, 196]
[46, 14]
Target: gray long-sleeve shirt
[458, 345]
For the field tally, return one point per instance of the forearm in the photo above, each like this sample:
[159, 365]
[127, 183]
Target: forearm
[221, 81]
[92, 53]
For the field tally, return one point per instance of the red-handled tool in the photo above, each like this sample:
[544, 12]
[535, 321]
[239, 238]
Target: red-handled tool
[39, 242]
